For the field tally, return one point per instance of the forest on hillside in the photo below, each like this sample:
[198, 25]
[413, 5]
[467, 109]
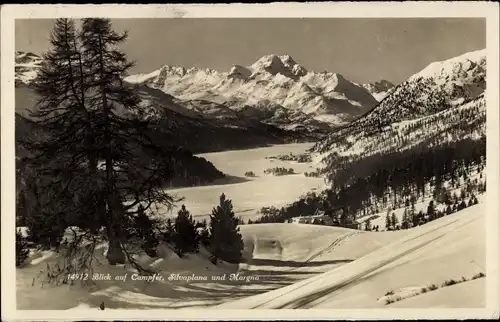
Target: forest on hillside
[378, 182]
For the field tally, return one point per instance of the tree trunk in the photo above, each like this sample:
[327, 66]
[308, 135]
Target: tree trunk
[115, 252]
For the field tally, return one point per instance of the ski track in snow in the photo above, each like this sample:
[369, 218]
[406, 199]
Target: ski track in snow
[332, 246]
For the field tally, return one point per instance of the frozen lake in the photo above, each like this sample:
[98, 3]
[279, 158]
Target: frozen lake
[250, 194]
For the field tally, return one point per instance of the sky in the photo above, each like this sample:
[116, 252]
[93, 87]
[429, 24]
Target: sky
[362, 49]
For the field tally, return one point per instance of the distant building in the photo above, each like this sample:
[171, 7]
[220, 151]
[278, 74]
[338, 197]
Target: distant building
[319, 218]
[353, 225]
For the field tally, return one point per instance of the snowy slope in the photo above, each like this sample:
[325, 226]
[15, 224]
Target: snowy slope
[274, 84]
[276, 255]
[443, 102]
[448, 248]
[470, 294]
[288, 266]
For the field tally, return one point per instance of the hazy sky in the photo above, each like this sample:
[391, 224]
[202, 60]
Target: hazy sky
[362, 50]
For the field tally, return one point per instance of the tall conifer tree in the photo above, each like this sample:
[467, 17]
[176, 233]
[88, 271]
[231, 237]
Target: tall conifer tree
[225, 240]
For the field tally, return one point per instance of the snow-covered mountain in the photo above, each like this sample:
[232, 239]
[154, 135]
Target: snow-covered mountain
[379, 89]
[443, 102]
[200, 126]
[275, 88]
[26, 67]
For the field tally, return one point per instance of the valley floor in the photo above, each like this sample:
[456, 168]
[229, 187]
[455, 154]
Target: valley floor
[293, 266]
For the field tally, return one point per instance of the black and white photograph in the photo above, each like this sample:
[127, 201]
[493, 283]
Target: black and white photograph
[216, 162]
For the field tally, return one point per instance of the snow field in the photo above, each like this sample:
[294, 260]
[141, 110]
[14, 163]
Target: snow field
[287, 266]
[450, 247]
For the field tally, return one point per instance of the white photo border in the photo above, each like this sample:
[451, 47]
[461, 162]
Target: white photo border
[487, 10]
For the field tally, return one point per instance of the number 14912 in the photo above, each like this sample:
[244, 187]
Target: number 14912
[80, 277]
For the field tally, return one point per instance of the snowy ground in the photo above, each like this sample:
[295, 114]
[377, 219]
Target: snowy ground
[251, 194]
[291, 266]
[286, 265]
[448, 248]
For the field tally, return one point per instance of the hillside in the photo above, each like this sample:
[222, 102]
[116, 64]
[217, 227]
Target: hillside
[449, 248]
[275, 90]
[443, 102]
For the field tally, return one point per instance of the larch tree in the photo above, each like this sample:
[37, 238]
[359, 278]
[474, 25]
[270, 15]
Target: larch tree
[129, 178]
[95, 163]
[57, 169]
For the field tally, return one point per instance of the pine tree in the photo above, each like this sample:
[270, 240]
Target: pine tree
[169, 231]
[471, 202]
[45, 211]
[388, 222]
[143, 227]
[405, 220]
[59, 167]
[431, 211]
[394, 220]
[462, 205]
[225, 240]
[185, 235]
[368, 225]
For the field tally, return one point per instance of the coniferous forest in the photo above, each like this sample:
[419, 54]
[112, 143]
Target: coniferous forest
[377, 182]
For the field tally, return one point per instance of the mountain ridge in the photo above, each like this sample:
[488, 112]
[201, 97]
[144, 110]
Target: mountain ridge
[273, 82]
[277, 90]
[442, 102]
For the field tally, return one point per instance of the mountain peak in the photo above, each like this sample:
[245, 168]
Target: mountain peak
[287, 60]
[274, 64]
[449, 91]
[238, 71]
[269, 63]
[459, 65]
